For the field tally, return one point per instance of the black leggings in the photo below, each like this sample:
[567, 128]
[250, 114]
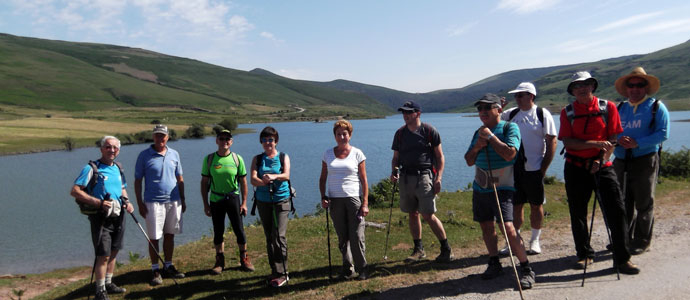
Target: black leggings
[231, 207]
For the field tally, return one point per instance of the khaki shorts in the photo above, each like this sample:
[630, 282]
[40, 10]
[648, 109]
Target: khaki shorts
[417, 193]
[163, 217]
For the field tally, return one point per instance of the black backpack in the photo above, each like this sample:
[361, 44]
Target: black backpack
[88, 209]
[293, 193]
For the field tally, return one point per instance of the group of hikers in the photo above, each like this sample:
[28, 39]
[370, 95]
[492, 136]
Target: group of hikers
[511, 152]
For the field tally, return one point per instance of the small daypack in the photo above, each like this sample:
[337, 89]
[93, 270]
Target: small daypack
[88, 209]
[293, 193]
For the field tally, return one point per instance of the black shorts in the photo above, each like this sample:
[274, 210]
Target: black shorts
[111, 235]
[484, 206]
[529, 187]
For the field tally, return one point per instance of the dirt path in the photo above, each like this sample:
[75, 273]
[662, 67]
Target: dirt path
[664, 274]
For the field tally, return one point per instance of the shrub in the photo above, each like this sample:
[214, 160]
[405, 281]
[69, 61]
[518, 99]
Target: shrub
[155, 121]
[675, 164]
[69, 142]
[194, 131]
[228, 124]
[217, 129]
[380, 193]
[172, 134]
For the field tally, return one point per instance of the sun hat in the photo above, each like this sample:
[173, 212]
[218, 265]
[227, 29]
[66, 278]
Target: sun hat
[525, 87]
[582, 76]
[160, 128]
[410, 106]
[488, 98]
[652, 82]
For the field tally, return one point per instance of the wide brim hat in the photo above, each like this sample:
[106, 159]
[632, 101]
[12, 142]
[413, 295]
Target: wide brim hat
[582, 76]
[652, 82]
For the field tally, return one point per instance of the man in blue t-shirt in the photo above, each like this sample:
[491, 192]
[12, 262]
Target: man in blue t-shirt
[159, 167]
[109, 196]
[646, 125]
[493, 151]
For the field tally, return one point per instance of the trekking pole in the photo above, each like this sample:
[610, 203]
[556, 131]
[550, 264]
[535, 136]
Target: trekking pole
[589, 239]
[390, 215]
[149, 241]
[597, 198]
[98, 242]
[328, 234]
[503, 224]
[282, 257]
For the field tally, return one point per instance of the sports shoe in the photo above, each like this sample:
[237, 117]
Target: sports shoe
[111, 288]
[171, 272]
[279, 281]
[246, 264]
[157, 278]
[363, 275]
[505, 251]
[493, 270]
[628, 268]
[416, 255]
[220, 264]
[581, 263]
[534, 247]
[347, 275]
[101, 295]
[526, 278]
[446, 256]
[637, 251]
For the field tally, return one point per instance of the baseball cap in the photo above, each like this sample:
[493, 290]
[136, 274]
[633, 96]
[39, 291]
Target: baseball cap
[489, 98]
[410, 106]
[160, 128]
[525, 87]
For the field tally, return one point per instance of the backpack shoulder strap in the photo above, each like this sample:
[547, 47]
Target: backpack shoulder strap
[540, 115]
[620, 105]
[513, 113]
[570, 113]
[281, 157]
[655, 108]
[604, 111]
[94, 176]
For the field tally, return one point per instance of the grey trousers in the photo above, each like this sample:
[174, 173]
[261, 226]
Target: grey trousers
[638, 195]
[276, 241]
[350, 231]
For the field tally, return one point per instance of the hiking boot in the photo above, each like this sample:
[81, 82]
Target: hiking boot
[246, 264]
[581, 263]
[279, 281]
[220, 264]
[637, 251]
[446, 256]
[504, 251]
[416, 255]
[111, 288]
[171, 272]
[347, 275]
[157, 278]
[534, 247]
[628, 268]
[493, 270]
[526, 278]
[101, 295]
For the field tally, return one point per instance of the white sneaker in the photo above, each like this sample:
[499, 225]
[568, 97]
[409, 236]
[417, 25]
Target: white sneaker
[534, 247]
[504, 251]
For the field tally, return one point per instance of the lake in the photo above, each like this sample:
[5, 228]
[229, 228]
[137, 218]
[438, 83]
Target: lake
[41, 228]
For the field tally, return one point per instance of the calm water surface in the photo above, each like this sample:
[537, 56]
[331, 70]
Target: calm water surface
[41, 228]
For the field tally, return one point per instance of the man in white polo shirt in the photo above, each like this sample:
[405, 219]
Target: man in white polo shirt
[538, 133]
[163, 202]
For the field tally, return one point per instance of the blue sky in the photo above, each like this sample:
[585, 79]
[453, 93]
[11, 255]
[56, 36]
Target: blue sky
[414, 46]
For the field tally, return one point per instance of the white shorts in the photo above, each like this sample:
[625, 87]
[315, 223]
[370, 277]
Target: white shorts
[163, 217]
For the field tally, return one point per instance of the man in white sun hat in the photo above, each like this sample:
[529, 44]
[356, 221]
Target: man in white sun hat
[538, 133]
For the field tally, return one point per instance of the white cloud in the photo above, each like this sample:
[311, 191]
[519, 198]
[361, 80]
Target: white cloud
[628, 21]
[526, 6]
[460, 30]
[671, 26]
[578, 45]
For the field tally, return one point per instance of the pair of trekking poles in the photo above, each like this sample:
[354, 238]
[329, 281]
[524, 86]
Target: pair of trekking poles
[100, 233]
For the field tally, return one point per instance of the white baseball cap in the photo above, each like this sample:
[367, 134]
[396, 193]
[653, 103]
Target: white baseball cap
[525, 87]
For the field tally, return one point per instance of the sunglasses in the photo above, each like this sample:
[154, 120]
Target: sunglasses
[485, 107]
[408, 112]
[224, 138]
[267, 140]
[638, 85]
[580, 84]
[520, 95]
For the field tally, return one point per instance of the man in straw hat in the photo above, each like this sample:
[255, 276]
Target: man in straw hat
[645, 124]
[589, 127]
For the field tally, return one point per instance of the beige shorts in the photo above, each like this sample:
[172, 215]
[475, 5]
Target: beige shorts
[417, 193]
[163, 217]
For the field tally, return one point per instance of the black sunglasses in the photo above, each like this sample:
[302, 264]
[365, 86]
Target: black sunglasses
[269, 140]
[485, 107]
[520, 95]
[407, 112]
[224, 138]
[636, 85]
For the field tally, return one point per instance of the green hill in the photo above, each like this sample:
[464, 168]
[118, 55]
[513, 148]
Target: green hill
[58, 75]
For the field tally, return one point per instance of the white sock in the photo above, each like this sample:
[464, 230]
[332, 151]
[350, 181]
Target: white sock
[154, 267]
[108, 278]
[100, 284]
[535, 234]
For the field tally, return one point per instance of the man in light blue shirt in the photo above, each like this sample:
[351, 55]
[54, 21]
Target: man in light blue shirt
[163, 202]
[646, 123]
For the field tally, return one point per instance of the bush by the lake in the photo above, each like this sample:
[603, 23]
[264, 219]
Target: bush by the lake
[194, 131]
[676, 164]
[229, 124]
[69, 143]
[380, 193]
